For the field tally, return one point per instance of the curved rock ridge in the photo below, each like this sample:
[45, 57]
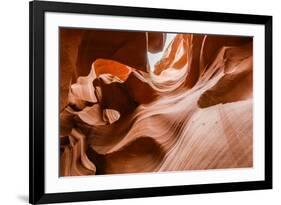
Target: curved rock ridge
[193, 111]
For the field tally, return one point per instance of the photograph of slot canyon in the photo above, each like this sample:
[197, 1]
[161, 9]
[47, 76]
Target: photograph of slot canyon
[138, 102]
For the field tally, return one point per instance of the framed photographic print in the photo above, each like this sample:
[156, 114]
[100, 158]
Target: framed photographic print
[140, 102]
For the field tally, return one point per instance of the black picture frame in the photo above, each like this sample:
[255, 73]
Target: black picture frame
[37, 10]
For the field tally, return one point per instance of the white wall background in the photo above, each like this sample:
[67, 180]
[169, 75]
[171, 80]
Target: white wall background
[14, 100]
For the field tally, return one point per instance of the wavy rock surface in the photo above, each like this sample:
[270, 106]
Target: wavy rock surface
[192, 111]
